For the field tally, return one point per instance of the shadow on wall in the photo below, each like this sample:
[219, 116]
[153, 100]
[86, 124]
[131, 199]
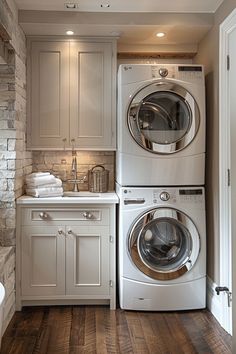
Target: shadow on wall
[212, 179]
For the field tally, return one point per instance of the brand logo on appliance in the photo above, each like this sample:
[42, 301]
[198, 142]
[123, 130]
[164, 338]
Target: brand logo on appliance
[127, 68]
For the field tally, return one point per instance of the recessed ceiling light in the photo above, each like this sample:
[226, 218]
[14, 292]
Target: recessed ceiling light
[115, 33]
[71, 6]
[105, 5]
[160, 34]
[69, 33]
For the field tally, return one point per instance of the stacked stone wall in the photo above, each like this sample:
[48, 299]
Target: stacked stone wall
[15, 161]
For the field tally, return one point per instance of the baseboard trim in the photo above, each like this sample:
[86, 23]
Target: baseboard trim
[214, 303]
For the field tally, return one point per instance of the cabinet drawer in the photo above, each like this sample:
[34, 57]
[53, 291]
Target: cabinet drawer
[81, 216]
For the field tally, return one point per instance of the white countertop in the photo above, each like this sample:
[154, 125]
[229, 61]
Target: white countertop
[103, 198]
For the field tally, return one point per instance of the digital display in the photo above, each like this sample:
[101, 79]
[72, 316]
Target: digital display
[190, 68]
[190, 191]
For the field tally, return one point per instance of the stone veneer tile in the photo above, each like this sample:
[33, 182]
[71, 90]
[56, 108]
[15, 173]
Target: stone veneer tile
[59, 163]
[12, 122]
[8, 237]
[5, 254]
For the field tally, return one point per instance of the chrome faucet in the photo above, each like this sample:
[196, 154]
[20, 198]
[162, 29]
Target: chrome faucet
[74, 171]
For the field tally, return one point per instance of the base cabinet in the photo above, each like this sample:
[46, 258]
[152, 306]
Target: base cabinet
[66, 255]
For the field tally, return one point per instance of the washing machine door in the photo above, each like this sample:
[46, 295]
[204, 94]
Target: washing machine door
[164, 243]
[163, 117]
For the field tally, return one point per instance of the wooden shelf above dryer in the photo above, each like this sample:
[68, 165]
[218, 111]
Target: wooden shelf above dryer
[155, 55]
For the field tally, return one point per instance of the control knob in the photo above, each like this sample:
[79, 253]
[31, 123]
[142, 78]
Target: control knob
[163, 72]
[164, 196]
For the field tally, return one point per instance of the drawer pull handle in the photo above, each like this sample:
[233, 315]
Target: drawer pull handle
[69, 231]
[43, 215]
[60, 231]
[87, 215]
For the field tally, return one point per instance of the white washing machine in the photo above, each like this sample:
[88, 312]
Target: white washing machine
[162, 248]
[161, 125]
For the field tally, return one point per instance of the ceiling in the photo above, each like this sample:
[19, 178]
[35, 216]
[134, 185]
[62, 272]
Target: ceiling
[124, 5]
[135, 22]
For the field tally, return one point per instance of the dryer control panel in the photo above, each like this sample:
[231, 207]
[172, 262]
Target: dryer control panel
[182, 72]
[144, 197]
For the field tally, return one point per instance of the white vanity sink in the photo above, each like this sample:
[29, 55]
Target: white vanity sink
[81, 194]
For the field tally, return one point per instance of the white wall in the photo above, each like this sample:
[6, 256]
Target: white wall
[208, 55]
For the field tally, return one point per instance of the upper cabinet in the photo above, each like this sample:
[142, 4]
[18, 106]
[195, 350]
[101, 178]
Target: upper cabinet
[71, 94]
[48, 95]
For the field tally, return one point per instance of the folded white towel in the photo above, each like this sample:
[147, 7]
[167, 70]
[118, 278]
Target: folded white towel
[39, 181]
[45, 195]
[38, 174]
[56, 183]
[45, 192]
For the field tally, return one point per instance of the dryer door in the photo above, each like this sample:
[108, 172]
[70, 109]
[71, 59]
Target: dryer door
[163, 117]
[164, 243]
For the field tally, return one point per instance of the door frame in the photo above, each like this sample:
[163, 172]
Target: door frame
[225, 251]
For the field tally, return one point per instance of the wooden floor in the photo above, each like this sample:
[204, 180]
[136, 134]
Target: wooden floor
[96, 329]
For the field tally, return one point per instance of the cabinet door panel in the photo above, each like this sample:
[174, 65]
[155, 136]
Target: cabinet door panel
[43, 261]
[87, 261]
[91, 94]
[49, 91]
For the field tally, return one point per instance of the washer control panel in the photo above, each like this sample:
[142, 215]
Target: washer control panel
[182, 195]
[135, 197]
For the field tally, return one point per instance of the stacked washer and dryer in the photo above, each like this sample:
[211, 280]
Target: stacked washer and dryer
[160, 179]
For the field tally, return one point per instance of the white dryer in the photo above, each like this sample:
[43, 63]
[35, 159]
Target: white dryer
[162, 248]
[161, 125]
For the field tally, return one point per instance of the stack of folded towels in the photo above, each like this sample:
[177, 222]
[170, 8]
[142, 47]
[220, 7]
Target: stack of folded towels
[43, 184]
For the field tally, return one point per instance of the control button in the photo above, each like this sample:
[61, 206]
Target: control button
[164, 196]
[163, 72]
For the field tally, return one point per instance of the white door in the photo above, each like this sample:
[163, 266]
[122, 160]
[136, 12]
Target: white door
[232, 112]
[227, 163]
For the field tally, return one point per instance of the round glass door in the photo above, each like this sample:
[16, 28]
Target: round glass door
[163, 118]
[164, 243]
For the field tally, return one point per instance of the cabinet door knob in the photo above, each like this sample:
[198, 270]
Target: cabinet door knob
[60, 231]
[43, 215]
[87, 215]
[64, 143]
[69, 231]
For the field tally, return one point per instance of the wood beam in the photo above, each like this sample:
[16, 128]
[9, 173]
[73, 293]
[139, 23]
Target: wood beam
[155, 55]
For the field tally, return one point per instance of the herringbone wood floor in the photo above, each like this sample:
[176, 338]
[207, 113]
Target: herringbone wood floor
[96, 329]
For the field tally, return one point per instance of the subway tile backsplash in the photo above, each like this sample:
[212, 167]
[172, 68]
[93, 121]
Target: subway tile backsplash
[59, 164]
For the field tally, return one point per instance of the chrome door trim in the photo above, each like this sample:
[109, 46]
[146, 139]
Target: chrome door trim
[135, 234]
[136, 103]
